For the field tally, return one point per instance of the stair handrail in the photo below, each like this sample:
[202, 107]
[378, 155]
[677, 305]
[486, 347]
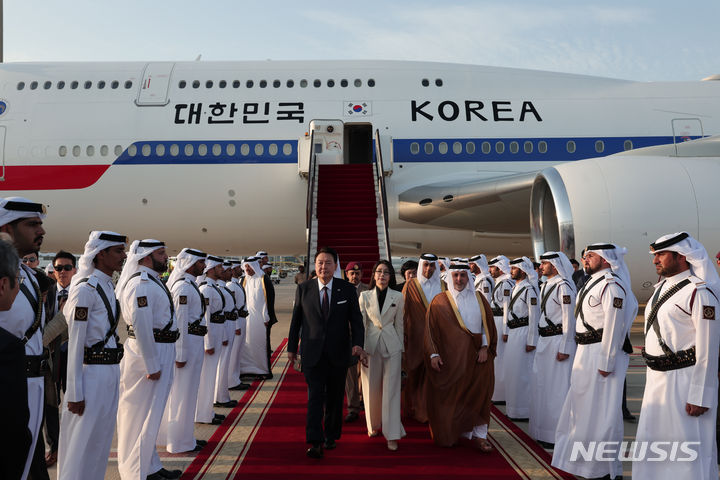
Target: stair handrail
[310, 207]
[380, 177]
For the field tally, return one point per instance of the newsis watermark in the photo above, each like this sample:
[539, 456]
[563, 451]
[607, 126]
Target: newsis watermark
[655, 451]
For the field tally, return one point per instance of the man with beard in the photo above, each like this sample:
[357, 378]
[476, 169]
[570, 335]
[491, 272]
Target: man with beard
[419, 293]
[499, 300]
[222, 394]
[235, 286]
[550, 378]
[93, 375]
[483, 279]
[190, 310]
[460, 349]
[146, 370]
[604, 311]
[260, 299]
[22, 220]
[681, 352]
[353, 272]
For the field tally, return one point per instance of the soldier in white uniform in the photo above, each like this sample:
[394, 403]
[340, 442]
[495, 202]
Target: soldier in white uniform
[238, 291]
[555, 351]
[681, 350]
[146, 370]
[499, 268]
[222, 394]
[522, 311]
[605, 309]
[91, 399]
[22, 220]
[179, 420]
[484, 282]
[214, 320]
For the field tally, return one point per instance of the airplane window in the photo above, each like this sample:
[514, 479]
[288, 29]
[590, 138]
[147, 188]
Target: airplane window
[118, 150]
[245, 149]
[74, 84]
[62, 151]
[189, 150]
[259, 149]
[132, 150]
[317, 83]
[331, 83]
[571, 146]
[115, 84]
[628, 145]
[230, 149]
[290, 84]
[457, 148]
[287, 149]
[358, 82]
[499, 147]
[222, 84]
[20, 85]
[160, 150]
[174, 150]
[90, 151]
[486, 147]
[217, 150]
[33, 85]
[414, 148]
[542, 146]
[47, 85]
[202, 149]
[104, 150]
[470, 147]
[442, 148]
[428, 148]
[146, 150]
[76, 151]
[528, 147]
[276, 83]
[249, 84]
[273, 149]
[514, 147]
[371, 82]
[263, 83]
[60, 85]
[209, 84]
[599, 146]
[88, 85]
[343, 83]
[182, 84]
[303, 83]
[101, 84]
[128, 84]
[439, 82]
[236, 83]
[425, 82]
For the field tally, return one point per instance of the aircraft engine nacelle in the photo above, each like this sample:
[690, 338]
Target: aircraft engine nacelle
[629, 199]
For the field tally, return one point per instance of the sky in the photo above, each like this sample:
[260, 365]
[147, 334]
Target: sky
[645, 40]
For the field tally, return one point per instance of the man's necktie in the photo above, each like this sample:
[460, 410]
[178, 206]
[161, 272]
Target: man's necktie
[325, 304]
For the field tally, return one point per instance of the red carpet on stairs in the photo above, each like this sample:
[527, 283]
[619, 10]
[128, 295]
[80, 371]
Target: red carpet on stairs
[347, 214]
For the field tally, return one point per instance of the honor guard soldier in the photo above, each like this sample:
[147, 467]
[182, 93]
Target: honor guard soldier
[555, 351]
[22, 220]
[499, 300]
[222, 395]
[235, 286]
[681, 352]
[215, 321]
[93, 373]
[522, 312]
[605, 309]
[190, 310]
[146, 370]
[484, 282]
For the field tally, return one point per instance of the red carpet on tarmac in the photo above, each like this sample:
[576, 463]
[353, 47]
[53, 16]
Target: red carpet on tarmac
[264, 438]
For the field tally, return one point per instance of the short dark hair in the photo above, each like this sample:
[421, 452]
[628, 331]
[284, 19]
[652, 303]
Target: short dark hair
[574, 262]
[409, 265]
[329, 251]
[65, 255]
[9, 262]
[392, 283]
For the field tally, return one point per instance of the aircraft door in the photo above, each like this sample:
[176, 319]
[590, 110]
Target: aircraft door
[2, 153]
[155, 84]
[327, 139]
[685, 129]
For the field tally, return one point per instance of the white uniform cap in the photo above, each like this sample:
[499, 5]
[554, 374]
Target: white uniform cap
[694, 252]
[15, 208]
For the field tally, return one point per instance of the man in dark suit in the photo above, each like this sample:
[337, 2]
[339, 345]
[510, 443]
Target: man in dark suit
[327, 315]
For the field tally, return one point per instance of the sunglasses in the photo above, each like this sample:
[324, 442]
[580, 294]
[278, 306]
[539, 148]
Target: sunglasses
[60, 268]
[29, 259]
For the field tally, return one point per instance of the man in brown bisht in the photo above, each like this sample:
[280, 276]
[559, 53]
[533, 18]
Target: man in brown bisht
[418, 293]
[460, 350]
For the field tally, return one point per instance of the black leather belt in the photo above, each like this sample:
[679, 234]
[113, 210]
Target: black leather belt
[671, 361]
[199, 330]
[103, 356]
[587, 338]
[243, 312]
[497, 312]
[231, 315]
[36, 365]
[550, 330]
[217, 318]
[161, 336]
[518, 322]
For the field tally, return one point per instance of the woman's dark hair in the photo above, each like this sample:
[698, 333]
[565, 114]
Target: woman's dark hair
[392, 282]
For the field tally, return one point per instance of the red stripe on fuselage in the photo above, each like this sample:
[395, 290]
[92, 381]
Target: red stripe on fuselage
[51, 177]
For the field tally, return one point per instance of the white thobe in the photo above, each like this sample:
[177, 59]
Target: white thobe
[688, 318]
[253, 355]
[179, 419]
[484, 284]
[16, 321]
[550, 378]
[593, 406]
[222, 394]
[145, 306]
[500, 295]
[96, 385]
[213, 341]
[518, 362]
[234, 370]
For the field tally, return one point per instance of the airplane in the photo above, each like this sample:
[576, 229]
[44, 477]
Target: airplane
[215, 155]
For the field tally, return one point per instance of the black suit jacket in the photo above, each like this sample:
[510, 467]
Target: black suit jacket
[336, 336]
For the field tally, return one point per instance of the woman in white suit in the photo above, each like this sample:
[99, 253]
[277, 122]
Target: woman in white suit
[382, 309]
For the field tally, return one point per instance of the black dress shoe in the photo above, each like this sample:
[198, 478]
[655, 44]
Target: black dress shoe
[629, 417]
[499, 402]
[202, 443]
[519, 419]
[546, 445]
[214, 421]
[168, 474]
[154, 476]
[267, 376]
[330, 445]
[240, 386]
[316, 451]
[228, 404]
[351, 417]
[220, 416]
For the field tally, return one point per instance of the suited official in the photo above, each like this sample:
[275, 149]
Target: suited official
[327, 313]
